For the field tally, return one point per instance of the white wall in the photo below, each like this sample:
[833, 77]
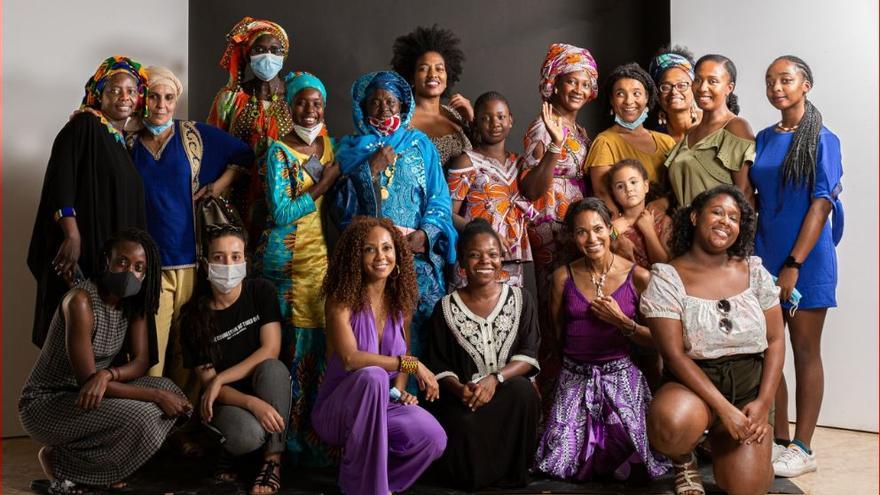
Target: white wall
[50, 49]
[839, 41]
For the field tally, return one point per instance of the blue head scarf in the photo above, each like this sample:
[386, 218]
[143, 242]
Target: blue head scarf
[664, 61]
[297, 81]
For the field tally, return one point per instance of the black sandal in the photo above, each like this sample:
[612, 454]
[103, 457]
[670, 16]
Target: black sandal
[267, 478]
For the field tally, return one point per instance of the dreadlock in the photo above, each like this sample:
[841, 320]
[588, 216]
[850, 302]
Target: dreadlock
[732, 99]
[146, 302]
[799, 164]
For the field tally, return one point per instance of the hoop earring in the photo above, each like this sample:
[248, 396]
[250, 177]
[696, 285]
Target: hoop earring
[396, 272]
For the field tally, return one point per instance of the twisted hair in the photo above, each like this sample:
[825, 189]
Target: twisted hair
[587, 204]
[344, 282]
[146, 302]
[730, 67]
[197, 316]
[409, 47]
[631, 70]
[683, 229]
[474, 228]
[799, 164]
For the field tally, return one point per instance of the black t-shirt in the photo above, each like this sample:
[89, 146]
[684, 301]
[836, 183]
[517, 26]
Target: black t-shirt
[238, 328]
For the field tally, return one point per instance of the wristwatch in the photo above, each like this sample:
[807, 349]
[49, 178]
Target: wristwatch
[500, 377]
[790, 262]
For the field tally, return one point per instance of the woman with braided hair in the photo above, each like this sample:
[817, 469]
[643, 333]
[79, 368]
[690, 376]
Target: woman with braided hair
[797, 174]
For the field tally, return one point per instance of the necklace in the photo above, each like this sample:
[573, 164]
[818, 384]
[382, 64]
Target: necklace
[389, 177]
[599, 281]
[786, 129]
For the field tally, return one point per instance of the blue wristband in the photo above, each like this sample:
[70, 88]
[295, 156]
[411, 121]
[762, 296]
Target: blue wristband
[395, 394]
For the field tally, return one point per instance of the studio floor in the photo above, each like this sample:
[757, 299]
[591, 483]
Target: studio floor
[848, 464]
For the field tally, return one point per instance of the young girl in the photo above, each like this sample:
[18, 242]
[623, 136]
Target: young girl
[483, 184]
[643, 236]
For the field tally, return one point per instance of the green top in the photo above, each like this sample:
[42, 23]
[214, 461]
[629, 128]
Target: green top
[711, 162]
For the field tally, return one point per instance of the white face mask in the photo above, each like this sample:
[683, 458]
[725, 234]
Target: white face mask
[224, 278]
[308, 134]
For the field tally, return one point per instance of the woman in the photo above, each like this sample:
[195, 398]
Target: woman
[631, 94]
[430, 59]
[721, 147]
[552, 176]
[596, 427]
[673, 72]
[232, 341]
[90, 190]
[298, 170]
[253, 110]
[387, 439]
[99, 422]
[395, 173]
[179, 162]
[484, 348]
[483, 184]
[714, 314]
[797, 175]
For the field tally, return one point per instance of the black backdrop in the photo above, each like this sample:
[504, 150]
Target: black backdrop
[504, 41]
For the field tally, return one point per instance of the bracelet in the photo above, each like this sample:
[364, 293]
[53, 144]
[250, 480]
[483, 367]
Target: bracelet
[66, 211]
[408, 364]
[631, 331]
[554, 148]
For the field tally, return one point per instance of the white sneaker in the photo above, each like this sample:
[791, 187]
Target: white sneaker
[794, 462]
[776, 452]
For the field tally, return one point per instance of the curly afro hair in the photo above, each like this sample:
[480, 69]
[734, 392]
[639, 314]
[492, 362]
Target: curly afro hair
[683, 229]
[409, 47]
[344, 282]
[631, 70]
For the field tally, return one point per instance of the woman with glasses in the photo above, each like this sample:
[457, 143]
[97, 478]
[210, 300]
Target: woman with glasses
[673, 72]
[714, 315]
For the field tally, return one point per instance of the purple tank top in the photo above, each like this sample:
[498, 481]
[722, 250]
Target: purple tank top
[364, 328]
[588, 339]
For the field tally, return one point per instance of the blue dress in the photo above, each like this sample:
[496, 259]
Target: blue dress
[782, 209]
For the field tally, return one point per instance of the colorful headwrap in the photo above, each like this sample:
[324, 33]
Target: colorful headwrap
[297, 81]
[664, 61]
[240, 39]
[108, 68]
[563, 59]
[160, 76]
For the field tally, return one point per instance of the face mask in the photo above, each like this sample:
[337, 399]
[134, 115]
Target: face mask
[266, 65]
[308, 134]
[122, 284]
[224, 278]
[632, 125]
[157, 129]
[387, 126]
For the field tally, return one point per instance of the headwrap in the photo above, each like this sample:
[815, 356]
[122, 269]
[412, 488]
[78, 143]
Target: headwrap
[563, 59]
[239, 41]
[389, 81]
[161, 76]
[108, 68]
[297, 81]
[664, 61]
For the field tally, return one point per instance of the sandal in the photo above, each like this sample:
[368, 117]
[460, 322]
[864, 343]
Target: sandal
[225, 468]
[687, 477]
[267, 477]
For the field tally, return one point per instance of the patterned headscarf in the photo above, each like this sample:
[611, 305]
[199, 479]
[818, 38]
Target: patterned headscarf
[160, 76]
[114, 65]
[563, 59]
[297, 81]
[240, 39]
[664, 61]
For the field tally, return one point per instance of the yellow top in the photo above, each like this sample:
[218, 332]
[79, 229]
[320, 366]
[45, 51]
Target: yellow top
[610, 147]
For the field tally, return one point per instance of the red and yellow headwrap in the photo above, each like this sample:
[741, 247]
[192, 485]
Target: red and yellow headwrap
[108, 68]
[240, 39]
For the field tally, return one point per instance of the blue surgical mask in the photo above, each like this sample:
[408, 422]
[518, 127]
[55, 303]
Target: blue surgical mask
[634, 124]
[266, 65]
[157, 129]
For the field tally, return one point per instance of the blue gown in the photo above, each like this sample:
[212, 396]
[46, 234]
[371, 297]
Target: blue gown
[782, 209]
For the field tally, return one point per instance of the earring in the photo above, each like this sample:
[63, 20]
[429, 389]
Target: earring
[555, 91]
[694, 113]
[611, 112]
[396, 272]
[661, 118]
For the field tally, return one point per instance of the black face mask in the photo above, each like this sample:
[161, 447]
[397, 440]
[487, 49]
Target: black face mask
[122, 284]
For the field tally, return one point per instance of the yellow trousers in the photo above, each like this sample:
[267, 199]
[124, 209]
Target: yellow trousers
[177, 288]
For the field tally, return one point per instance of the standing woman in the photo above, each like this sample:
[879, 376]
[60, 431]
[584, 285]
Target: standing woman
[253, 110]
[299, 168]
[553, 175]
[91, 189]
[721, 147]
[387, 439]
[631, 95]
[797, 174]
[430, 59]
[673, 73]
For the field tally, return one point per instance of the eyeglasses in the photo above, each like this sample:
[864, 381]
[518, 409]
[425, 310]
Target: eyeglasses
[724, 323]
[681, 87]
[274, 50]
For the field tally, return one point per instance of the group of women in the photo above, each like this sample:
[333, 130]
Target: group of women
[388, 272]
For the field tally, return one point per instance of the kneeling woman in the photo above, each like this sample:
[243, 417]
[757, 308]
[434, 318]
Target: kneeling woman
[232, 336]
[483, 344]
[371, 293]
[714, 314]
[596, 427]
[99, 422]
